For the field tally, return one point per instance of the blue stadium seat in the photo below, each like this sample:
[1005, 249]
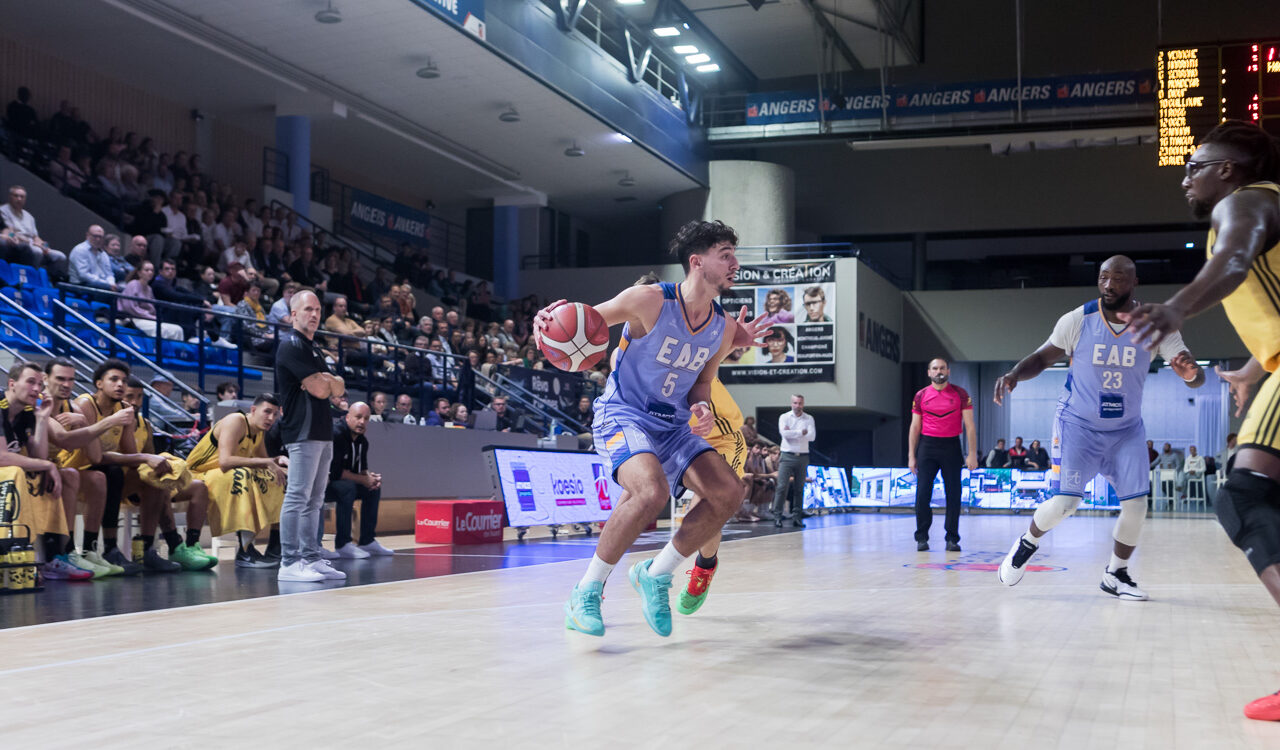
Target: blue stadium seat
[12, 337]
[94, 339]
[39, 300]
[6, 274]
[28, 276]
[144, 344]
[178, 350]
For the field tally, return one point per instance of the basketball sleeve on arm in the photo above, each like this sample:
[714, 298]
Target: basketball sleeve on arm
[1066, 332]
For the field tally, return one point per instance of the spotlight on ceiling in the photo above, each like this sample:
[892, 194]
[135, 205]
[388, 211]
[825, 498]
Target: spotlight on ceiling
[329, 15]
[509, 114]
[627, 181]
[574, 150]
[685, 49]
[666, 31]
[428, 71]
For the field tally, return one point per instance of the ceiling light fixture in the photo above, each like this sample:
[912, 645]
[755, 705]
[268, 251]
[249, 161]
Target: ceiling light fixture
[329, 15]
[710, 68]
[574, 151]
[701, 57]
[685, 49]
[630, 2]
[627, 181]
[666, 31]
[428, 71]
[509, 114]
[623, 138]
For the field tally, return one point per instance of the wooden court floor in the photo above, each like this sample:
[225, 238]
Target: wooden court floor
[839, 636]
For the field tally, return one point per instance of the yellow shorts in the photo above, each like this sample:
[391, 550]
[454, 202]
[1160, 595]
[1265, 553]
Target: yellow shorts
[733, 448]
[1261, 428]
[24, 499]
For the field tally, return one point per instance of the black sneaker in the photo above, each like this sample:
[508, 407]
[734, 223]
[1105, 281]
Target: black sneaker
[252, 558]
[154, 563]
[953, 546]
[922, 546]
[116, 557]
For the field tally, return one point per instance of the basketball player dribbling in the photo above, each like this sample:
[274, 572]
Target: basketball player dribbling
[1098, 425]
[673, 339]
[1231, 180]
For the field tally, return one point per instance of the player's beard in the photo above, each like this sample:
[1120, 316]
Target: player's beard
[938, 379]
[1120, 304]
[1200, 210]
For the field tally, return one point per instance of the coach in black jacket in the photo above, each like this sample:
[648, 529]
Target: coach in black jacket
[350, 478]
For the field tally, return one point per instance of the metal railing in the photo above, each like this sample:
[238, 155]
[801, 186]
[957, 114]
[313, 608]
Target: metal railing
[275, 173]
[806, 251]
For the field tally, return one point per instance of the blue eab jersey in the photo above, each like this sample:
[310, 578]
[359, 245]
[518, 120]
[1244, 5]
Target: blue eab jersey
[654, 373]
[1108, 369]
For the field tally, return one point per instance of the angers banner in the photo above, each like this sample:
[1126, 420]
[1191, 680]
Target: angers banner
[799, 301]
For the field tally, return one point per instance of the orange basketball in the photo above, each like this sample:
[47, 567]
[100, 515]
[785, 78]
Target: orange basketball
[576, 338]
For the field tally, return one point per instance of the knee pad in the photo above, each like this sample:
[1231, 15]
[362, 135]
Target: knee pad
[1129, 525]
[1051, 512]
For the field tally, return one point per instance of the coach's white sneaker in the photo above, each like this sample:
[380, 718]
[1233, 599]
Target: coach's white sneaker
[1120, 585]
[1015, 563]
[352, 552]
[328, 554]
[376, 549]
[326, 570]
[298, 571]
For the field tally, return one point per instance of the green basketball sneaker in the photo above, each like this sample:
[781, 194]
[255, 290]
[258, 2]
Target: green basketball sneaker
[582, 611]
[696, 592]
[192, 558]
[655, 599]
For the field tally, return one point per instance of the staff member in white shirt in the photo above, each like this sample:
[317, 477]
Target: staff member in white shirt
[797, 431]
[1192, 469]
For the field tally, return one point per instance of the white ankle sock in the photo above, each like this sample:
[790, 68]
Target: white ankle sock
[597, 570]
[1030, 539]
[1116, 563]
[667, 561]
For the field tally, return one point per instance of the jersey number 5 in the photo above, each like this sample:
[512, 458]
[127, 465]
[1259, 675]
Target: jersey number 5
[669, 385]
[1112, 379]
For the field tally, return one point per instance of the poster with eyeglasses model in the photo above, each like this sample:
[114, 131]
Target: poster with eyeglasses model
[798, 302]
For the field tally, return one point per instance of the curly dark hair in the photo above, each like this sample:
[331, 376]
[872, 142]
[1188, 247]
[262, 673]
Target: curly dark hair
[697, 237]
[1262, 150]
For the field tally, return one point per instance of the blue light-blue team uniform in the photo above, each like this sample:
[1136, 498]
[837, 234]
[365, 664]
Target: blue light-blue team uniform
[644, 408]
[1098, 427]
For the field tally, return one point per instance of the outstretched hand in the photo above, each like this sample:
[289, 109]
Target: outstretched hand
[1004, 386]
[1240, 383]
[543, 319]
[703, 414]
[1151, 323]
[749, 332]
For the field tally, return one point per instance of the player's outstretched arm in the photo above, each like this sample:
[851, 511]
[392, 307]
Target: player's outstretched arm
[1031, 365]
[1190, 372]
[1245, 224]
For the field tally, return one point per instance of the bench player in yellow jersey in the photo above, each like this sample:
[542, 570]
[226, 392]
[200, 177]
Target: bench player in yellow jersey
[727, 440]
[1231, 180]
[188, 553]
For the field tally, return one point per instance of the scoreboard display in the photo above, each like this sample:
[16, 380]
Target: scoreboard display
[1202, 85]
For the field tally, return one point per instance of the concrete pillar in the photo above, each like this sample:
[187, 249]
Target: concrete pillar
[293, 136]
[756, 198]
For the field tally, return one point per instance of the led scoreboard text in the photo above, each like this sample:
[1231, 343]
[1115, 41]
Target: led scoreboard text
[1203, 85]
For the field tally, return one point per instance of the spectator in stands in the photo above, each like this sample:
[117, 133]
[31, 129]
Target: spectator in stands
[142, 313]
[749, 432]
[150, 222]
[63, 170]
[161, 177]
[175, 229]
[20, 117]
[378, 406]
[259, 336]
[478, 305]
[22, 240]
[997, 457]
[90, 264]
[237, 252]
[226, 232]
[1227, 453]
[120, 265]
[280, 309]
[1152, 454]
[137, 251]
[437, 416]
[380, 285]
[403, 413]
[232, 287]
[227, 391]
[1037, 457]
[1193, 469]
[349, 480]
[507, 419]
[417, 365]
[1018, 455]
[344, 281]
[166, 290]
[339, 321]
[459, 416]
[1169, 458]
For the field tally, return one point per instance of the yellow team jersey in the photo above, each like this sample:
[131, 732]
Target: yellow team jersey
[204, 457]
[725, 411]
[111, 438]
[143, 435]
[1254, 307]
